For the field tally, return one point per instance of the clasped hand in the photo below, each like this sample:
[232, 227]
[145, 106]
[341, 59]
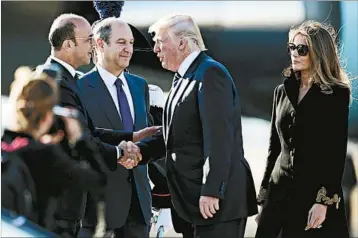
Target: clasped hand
[131, 156]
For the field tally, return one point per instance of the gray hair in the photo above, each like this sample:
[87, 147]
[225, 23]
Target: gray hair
[103, 29]
[181, 26]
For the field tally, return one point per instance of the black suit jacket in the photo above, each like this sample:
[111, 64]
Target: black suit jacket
[307, 149]
[204, 147]
[72, 206]
[102, 110]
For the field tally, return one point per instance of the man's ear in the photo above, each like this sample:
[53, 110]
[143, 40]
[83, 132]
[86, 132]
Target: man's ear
[68, 44]
[182, 44]
[99, 43]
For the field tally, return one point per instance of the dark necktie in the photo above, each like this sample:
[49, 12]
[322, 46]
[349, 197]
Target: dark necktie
[77, 76]
[124, 109]
[176, 79]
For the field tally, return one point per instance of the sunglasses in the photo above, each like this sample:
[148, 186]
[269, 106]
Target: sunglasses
[302, 50]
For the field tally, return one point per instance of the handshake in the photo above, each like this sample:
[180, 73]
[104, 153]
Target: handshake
[131, 155]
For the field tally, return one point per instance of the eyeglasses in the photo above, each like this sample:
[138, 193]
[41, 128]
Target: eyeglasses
[302, 50]
[87, 39]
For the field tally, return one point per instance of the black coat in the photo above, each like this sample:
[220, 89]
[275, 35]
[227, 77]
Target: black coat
[70, 96]
[307, 151]
[204, 147]
[54, 172]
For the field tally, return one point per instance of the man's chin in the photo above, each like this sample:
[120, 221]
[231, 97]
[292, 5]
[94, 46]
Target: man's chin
[164, 65]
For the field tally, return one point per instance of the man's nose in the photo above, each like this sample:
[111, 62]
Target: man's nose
[128, 48]
[156, 48]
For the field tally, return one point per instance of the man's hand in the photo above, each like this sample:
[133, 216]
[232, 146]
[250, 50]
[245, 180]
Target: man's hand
[131, 155]
[316, 216]
[208, 206]
[258, 217]
[52, 138]
[73, 129]
[146, 132]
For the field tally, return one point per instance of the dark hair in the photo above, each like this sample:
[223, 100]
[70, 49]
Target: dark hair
[63, 28]
[103, 29]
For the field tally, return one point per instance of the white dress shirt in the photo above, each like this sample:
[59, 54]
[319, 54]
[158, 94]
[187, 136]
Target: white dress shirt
[109, 80]
[66, 65]
[184, 66]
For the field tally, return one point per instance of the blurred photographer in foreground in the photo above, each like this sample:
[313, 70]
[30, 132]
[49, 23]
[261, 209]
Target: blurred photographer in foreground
[50, 171]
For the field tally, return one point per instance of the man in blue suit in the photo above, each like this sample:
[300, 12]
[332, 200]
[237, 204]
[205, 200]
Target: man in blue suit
[118, 100]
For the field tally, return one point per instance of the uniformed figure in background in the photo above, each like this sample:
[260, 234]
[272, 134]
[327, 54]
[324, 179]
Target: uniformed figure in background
[301, 193]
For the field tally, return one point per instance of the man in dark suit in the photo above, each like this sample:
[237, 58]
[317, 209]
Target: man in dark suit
[209, 179]
[118, 100]
[71, 47]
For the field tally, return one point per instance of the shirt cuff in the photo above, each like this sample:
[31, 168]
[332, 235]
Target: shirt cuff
[117, 149]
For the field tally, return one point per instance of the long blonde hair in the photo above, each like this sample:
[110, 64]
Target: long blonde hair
[33, 95]
[326, 69]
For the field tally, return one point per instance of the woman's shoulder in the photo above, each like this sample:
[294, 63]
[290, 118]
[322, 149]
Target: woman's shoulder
[336, 92]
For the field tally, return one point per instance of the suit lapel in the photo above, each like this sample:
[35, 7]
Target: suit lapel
[185, 85]
[105, 101]
[291, 86]
[65, 75]
[133, 88]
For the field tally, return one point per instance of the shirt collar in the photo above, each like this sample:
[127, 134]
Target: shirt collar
[66, 65]
[184, 66]
[109, 78]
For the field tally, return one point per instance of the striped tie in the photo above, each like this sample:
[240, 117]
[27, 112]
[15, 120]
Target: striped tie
[176, 78]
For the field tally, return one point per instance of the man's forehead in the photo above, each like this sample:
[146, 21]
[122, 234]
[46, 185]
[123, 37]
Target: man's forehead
[83, 28]
[160, 34]
[121, 33]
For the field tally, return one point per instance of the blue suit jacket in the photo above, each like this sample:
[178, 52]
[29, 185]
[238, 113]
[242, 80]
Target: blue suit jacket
[104, 114]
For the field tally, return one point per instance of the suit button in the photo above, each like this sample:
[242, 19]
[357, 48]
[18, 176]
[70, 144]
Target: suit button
[289, 126]
[290, 140]
[129, 179]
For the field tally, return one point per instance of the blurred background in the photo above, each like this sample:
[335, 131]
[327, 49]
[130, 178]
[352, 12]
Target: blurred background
[248, 37]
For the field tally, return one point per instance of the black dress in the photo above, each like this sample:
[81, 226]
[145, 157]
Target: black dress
[305, 163]
[53, 171]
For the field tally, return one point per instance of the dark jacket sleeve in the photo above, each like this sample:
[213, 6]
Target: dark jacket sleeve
[108, 151]
[112, 137]
[70, 173]
[152, 148]
[334, 139]
[216, 108]
[273, 152]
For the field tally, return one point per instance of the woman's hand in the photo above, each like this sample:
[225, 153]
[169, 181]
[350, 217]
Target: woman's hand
[316, 216]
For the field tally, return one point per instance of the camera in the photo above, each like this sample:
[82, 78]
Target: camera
[65, 112]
